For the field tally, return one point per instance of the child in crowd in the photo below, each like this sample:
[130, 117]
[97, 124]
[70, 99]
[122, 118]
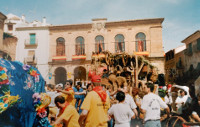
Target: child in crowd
[123, 116]
[53, 110]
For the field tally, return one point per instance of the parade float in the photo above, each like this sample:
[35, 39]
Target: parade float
[122, 69]
[18, 83]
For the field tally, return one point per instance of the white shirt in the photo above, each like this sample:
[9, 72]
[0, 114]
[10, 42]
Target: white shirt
[168, 100]
[129, 100]
[180, 100]
[122, 114]
[152, 103]
[53, 95]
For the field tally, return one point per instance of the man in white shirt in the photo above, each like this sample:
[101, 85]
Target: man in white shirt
[129, 100]
[180, 101]
[151, 105]
[121, 112]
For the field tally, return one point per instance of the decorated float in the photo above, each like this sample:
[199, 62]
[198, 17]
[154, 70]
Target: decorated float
[18, 83]
[122, 69]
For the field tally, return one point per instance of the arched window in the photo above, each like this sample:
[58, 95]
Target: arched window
[80, 47]
[119, 43]
[60, 46]
[140, 42]
[99, 44]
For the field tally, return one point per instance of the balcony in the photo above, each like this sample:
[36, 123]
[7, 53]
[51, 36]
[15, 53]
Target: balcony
[78, 57]
[30, 45]
[188, 52]
[101, 55]
[145, 53]
[31, 60]
[59, 58]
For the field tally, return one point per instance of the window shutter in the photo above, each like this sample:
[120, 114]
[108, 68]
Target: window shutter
[144, 42]
[96, 47]
[198, 44]
[116, 43]
[136, 46]
[123, 43]
[190, 48]
[32, 39]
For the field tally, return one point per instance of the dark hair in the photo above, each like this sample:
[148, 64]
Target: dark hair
[51, 86]
[69, 81]
[150, 85]
[79, 84]
[88, 85]
[183, 91]
[120, 96]
[59, 99]
[104, 70]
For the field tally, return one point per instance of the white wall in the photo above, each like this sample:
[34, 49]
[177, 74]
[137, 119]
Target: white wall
[41, 51]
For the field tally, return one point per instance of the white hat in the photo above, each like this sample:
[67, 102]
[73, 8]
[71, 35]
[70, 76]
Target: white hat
[59, 85]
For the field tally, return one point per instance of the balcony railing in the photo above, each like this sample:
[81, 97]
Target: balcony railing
[145, 53]
[101, 55]
[188, 52]
[30, 45]
[59, 58]
[78, 57]
[30, 60]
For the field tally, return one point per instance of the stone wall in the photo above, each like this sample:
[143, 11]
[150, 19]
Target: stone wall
[9, 46]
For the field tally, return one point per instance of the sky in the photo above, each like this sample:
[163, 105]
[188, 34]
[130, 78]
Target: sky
[181, 17]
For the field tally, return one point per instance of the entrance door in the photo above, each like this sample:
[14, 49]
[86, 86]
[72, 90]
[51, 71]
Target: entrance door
[79, 73]
[60, 75]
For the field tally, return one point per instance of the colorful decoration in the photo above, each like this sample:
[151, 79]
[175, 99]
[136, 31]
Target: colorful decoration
[3, 76]
[30, 70]
[22, 83]
[50, 75]
[41, 101]
[7, 101]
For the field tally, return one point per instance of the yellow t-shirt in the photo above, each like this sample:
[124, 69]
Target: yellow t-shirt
[70, 117]
[69, 98]
[97, 110]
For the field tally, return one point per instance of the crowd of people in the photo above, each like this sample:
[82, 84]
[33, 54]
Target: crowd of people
[98, 105]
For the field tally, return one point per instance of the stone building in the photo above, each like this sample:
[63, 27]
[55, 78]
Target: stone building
[174, 64]
[71, 46]
[192, 51]
[182, 64]
[192, 61]
[2, 19]
[7, 42]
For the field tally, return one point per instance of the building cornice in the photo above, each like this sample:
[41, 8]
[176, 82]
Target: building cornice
[2, 16]
[109, 24]
[71, 27]
[191, 36]
[32, 28]
[73, 62]
[135, 22]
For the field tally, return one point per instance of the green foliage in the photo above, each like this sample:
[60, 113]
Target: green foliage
[6, 35]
